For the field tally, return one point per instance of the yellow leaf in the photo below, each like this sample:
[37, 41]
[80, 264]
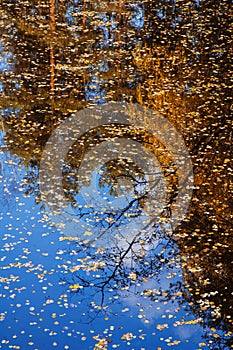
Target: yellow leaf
[75, 286]
[133, 276]
[87, 233]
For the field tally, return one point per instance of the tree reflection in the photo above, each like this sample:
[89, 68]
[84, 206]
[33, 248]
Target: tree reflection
[125, 269]
[173, 57]
[206, 248]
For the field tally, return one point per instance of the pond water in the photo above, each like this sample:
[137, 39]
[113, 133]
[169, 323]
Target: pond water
[116, 175]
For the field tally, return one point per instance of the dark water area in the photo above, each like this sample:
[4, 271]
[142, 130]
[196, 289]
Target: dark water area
[116, 175]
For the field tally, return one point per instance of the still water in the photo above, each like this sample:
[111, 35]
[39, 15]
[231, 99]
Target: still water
[116, 175]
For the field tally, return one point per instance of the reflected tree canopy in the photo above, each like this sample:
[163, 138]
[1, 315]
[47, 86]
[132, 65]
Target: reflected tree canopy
[173, 57]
